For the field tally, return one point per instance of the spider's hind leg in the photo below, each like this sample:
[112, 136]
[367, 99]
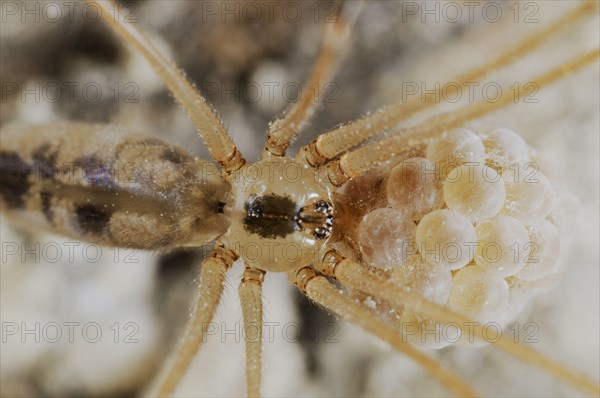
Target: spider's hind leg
[210, 289]
[318, 289]
[364, 279]
[250, 292]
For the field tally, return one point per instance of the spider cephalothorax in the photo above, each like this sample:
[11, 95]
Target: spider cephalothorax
[281, 214]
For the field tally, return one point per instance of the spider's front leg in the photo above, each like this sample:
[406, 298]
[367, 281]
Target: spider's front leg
[330, 144]
[397, 146]
[250, 292]
[360, 277]
[205, 118]
[286, 128]
[212, 278]
[318, 289]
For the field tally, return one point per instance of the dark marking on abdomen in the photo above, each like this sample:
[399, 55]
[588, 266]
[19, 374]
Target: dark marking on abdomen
[171, 155]
[104, 185]
[95, 172]
[14, 179]
[92, 218]
[45, 198]
[44, 162]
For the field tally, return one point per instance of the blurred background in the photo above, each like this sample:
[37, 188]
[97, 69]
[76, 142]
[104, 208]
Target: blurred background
[79, 320]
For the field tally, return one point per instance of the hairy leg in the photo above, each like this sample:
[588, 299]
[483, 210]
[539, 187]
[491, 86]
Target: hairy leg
[205, 119]
[361, 277]
[250, 292]
[285, 129]
[368, 157]
[318, 289]
[334, 142]
[212, 278]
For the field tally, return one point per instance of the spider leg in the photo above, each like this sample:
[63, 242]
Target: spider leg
[318, 289]
[250, 292]
[330, 144]
[284, 130]
[361, 277]
[205, 119]
[212, 277]
[363, 159]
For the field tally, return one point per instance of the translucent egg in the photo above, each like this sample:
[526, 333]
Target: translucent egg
[431, 281]
[502, 245]
[386, 237]
[480, 295]
[477, 191]
[365, 192]
[504, 148]
[414, 185]
[454, 148]
[447, 238]
[530, 196]
[544, 252]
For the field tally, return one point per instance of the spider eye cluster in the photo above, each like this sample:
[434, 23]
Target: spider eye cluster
[318, 217]
[473, 223]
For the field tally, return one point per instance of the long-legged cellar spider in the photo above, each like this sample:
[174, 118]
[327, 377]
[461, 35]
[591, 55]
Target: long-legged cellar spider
[267, 216]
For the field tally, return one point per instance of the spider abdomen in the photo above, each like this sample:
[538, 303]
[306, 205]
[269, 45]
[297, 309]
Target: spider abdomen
[105, 185]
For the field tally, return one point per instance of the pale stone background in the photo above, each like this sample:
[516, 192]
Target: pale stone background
[389, 48]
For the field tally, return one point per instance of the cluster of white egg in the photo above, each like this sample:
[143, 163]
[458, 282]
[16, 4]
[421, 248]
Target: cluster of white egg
[474, 225]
